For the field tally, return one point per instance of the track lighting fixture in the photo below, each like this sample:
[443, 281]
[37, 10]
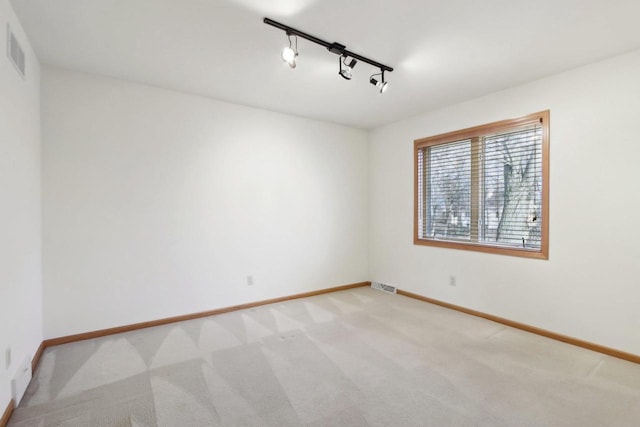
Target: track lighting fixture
[290, 53]
[345, 73]
[380, 84]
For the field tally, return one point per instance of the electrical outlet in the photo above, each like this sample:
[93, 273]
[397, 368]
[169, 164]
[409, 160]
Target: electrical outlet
[249, 280]
[7, 358]
[452, 280]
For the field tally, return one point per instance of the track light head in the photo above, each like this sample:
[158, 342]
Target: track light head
[345, 72]
[289, 54]
[380, 84]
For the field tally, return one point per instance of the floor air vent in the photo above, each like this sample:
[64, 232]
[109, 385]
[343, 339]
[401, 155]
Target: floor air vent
[15, 52]
[384, 288]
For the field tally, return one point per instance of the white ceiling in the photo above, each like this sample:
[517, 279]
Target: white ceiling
[443, 52]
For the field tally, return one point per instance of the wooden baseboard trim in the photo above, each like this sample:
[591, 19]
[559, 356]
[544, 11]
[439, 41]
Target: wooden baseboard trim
[538, 331]
[126, 328]
[7, 413]
[36, 358]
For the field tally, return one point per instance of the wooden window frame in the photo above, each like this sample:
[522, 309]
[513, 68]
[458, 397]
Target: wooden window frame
[477, 132]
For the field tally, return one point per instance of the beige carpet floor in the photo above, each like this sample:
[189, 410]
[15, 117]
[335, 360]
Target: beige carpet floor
[350, 358]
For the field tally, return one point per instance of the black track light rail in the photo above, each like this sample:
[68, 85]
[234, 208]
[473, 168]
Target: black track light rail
[335, 47]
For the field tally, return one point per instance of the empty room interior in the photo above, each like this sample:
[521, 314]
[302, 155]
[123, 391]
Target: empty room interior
[306, 212]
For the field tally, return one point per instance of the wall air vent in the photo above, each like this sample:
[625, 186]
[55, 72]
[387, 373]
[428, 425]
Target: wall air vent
[15, 52]
[20, 382]
[384, 288]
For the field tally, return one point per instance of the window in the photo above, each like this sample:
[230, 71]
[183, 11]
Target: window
[485, 188]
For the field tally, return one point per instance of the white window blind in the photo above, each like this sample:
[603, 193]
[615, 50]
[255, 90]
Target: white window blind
[447, 169]
[512, 188]
[484, 189]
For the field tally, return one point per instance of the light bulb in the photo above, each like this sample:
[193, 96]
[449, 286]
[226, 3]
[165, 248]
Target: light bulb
[384, 87]
[346, 73]
[288, 55]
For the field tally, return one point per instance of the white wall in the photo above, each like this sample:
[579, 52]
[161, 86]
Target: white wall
[588, 288]
[20, 216]
[159, 203]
